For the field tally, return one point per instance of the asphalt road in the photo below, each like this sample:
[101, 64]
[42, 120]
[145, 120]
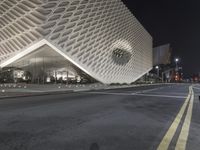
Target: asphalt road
[122, 119]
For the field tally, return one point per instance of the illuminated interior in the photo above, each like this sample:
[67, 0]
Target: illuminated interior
[45, 65]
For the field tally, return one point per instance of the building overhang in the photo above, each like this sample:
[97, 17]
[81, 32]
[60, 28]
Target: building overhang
[36, 46]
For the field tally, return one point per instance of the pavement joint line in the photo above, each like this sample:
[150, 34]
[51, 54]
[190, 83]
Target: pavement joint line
[40, 93]
[183, 137]
[108, 93]
[149, 90]
[127, 93]
[137, 94]
[164, 144]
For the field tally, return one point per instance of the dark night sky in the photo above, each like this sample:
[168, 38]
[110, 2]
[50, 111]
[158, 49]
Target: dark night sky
[172, 21]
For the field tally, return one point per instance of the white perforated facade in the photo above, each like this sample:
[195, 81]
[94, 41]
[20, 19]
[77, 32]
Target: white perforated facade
[101, 37]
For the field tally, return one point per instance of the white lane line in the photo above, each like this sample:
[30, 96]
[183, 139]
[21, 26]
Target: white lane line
[164, 144]
[182, 140]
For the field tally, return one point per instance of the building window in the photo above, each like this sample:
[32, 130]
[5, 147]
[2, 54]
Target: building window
[121, 56]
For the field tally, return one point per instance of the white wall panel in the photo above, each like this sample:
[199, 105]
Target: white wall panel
[102, 36]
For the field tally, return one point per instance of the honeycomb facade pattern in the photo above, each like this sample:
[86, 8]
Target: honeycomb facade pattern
[88, 32]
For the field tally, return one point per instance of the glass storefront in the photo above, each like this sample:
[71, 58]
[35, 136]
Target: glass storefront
[43, 66]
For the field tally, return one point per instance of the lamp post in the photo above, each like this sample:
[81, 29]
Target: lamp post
[157, 68]
[176, 61]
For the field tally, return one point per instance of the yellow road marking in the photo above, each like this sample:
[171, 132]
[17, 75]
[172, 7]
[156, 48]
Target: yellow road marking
[182, 140]
[171, 131]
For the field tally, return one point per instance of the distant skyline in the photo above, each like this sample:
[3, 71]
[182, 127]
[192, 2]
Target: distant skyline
[174, 22]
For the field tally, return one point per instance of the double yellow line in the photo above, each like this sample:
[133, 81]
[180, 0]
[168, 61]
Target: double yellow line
[183, 136]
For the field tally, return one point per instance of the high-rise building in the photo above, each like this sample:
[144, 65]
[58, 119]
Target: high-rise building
[162, 55]
[72, 38]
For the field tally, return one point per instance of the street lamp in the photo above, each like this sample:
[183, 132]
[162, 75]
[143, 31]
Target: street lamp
[176, 61]
[157, 68]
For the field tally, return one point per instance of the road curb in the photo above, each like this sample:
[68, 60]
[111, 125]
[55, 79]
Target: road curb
[38, 94]
[71, 91]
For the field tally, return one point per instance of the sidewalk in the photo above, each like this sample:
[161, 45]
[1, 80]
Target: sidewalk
[16, 90]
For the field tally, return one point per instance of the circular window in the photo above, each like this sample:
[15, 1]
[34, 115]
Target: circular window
[121, 56]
